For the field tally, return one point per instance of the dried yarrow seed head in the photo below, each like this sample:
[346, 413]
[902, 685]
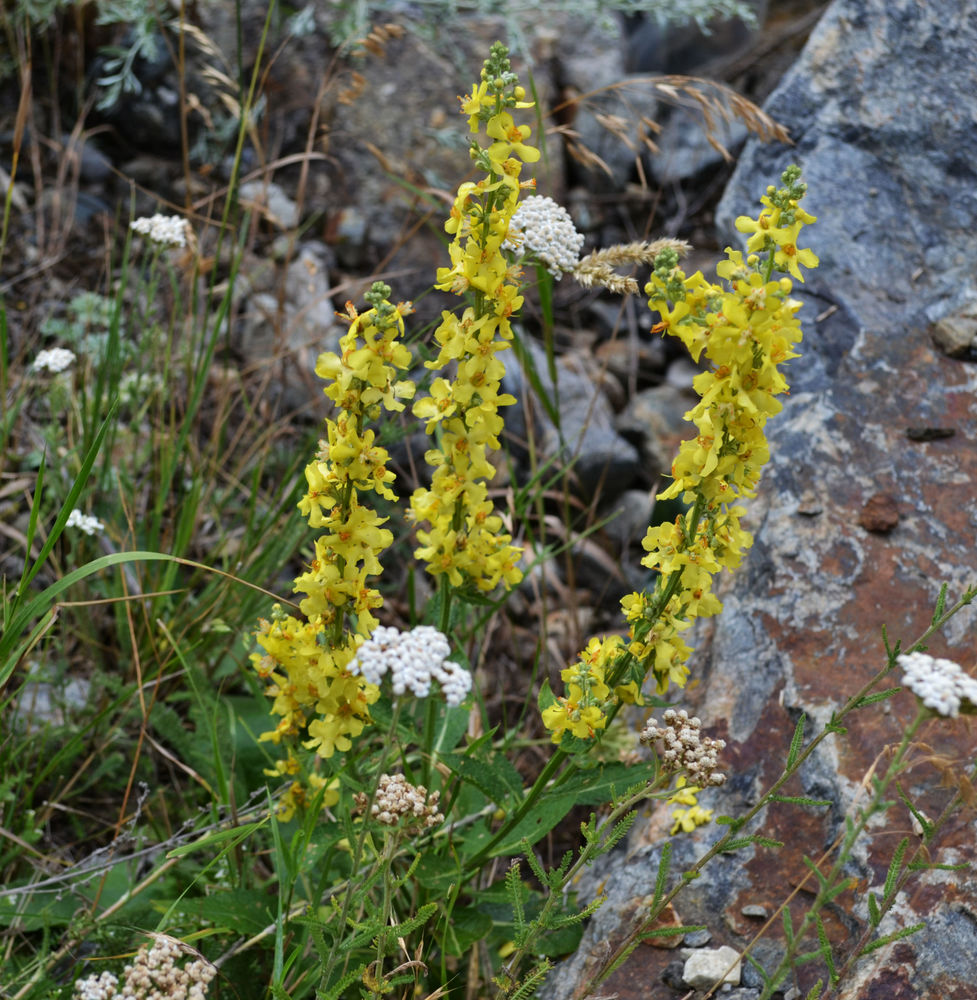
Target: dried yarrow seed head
[544, 228]
[685, 749]
[940, 684]
[413, 659]
[153, 975]
[398, 802]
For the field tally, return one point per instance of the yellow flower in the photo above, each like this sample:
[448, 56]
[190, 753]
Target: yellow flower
[465, 545]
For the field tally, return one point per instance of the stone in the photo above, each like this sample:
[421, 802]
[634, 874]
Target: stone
[956, 335]
[586, 439]
[290, 330]
[879, 513]
[707, 966]
[270, 201]
[697, 939]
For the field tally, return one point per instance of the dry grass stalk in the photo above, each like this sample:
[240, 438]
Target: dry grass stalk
[597, 268]
[717, 105]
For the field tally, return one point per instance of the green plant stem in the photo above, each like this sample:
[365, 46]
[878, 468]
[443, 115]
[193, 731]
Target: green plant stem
[828, 885]
[907, 872]
[632, 939]
[532, 797]
[389, 745]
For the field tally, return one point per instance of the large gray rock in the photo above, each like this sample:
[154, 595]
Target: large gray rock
[867, 506]
[586, 438]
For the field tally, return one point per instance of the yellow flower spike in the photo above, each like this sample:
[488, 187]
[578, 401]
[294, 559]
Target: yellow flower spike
[747, 329]
[304, 660]
[465, 546]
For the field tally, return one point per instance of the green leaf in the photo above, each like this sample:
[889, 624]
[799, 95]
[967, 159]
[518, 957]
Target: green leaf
[924, 866]
[545, 698]
[874, 915]
[871, 699]
[242, 911]
[822, 879]
[796, 742]
[801, 800]
[235, 834]
[889, 938]
[826, 954]
[465, 928]
[559, 942]
[662, 874]
[597, 787]
[496, 778]
[895, 869]
[546, 814]
[788, 926]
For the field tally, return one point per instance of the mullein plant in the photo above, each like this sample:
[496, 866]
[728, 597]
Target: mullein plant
[306, 661]
[465, 546]
[747, 328]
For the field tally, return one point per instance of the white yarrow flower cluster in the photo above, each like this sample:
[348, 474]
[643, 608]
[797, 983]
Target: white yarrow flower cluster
[94, 987]
[542, 226]
[84, 522]
[167, 230]
[685, 748]
[55, 360]
[413, 659]
[153, 975]
[940, 684]
[397, 799]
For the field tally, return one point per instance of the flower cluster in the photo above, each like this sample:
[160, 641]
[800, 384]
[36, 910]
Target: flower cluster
[413, 660]
[166, 230]
[84, 522]
[307, 661]
[940, 684]
[685, 749]
[747, 328]
[466, 544]
[582, 711]
[399, 802]
[544, 228]
[54, 360]
[687, 819]
[153, 975]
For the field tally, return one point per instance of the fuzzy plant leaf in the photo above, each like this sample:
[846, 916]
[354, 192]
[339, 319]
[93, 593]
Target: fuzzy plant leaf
[889, 938]
[802, 800]
[872, 699]
[662, 875]
[826, 952]
[895, 869]
[796, 742]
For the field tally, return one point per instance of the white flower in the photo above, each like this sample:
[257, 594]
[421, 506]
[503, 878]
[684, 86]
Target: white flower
[167, 230]
[84, 523]
[94, 987]
[545, 228]
[413, 659]
[55, 360]
[940, 684]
